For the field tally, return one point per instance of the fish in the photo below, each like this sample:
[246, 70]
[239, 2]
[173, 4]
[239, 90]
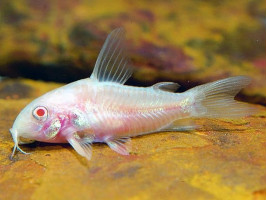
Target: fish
[103, 109]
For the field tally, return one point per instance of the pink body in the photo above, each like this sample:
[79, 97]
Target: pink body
[111, 110]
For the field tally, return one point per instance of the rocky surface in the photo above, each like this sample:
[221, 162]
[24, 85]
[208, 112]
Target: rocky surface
[190, 42]
[223, 159]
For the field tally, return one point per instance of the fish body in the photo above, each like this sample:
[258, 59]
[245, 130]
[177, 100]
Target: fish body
[102, 109]
[108, 110]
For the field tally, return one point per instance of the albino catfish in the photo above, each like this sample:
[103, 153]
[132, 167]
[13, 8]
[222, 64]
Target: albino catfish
[102, 109]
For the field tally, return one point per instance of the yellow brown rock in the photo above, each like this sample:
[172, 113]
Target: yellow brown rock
[223, 159]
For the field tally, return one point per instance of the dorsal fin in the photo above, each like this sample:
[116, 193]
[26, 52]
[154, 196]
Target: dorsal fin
[112, 64]
[166, 86]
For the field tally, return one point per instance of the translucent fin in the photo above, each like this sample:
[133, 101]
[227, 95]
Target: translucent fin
[166, 86]
[112, 64]
[81, 145]
[216, 99]
[182, 125]
[120, 145]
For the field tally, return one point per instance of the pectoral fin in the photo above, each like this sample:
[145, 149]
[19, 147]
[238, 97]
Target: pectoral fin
[81, 145]
[120, 145]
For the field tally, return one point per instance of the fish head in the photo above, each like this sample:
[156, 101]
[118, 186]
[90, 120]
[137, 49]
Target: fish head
[37, 121]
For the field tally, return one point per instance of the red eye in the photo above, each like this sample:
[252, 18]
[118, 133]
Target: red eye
[40, 113]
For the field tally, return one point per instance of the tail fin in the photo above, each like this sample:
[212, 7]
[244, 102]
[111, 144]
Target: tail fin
[216, 99]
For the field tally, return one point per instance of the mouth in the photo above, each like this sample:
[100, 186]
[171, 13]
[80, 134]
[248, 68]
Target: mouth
[14, 134]
[25, 140]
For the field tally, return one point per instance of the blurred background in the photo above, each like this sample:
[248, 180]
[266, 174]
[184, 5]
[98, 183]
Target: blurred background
[189, 42]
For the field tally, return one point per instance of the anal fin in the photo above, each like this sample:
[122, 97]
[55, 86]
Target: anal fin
[182, 125]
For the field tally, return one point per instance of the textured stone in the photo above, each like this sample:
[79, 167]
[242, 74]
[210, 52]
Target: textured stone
[223, 159]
